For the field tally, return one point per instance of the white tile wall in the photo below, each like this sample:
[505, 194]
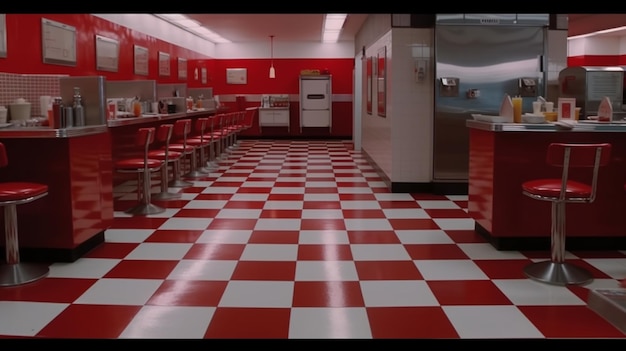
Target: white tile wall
[29, 87]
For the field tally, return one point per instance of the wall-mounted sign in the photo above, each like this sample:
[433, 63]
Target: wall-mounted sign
[204, 74]
[3, 35]
[107, 54]
[141, 60]
[164, 64]
[236, 76]
[369, 70]
[381, 87]
[182, 68]
[58, 42]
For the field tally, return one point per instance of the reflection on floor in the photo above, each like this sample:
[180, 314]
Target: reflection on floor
[302, 239]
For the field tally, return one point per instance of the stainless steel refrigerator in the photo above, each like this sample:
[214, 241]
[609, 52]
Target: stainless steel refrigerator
[476, 65]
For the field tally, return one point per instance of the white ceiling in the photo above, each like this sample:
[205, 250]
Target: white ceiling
[240, 28]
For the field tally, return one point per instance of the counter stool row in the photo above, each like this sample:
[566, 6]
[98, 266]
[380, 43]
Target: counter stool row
[190, 149]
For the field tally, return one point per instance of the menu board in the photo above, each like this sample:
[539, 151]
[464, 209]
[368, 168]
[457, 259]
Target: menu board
[182, 68]
[141, 60]
[3, 35]
[164, 64]
[107, 54]
[58, 43]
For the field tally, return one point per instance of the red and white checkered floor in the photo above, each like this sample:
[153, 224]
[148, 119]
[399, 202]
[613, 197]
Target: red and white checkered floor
[302, 239]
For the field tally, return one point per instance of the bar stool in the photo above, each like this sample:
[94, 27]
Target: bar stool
[182, 128]
[163, 135]
[201, 142]
[144, 167]
[12, 194]
[560, 191]
[213, 137]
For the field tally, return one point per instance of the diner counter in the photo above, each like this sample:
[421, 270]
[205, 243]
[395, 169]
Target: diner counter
[582, 126]
[504, 155]
[47, 132]
[150, 118]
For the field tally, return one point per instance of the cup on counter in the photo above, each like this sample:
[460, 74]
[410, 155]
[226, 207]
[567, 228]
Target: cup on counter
[577, 113]
[537, 107]
[549, 106]
[155, 107]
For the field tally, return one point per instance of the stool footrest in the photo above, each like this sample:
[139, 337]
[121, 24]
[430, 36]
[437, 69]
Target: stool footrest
[22, 273]
[558, 273]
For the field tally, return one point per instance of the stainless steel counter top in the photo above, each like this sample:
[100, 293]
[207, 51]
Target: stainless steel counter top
[274, 108]
[156, 117]
[548, 127]
[47, 132]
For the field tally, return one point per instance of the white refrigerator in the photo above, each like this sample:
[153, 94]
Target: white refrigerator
[315, 101]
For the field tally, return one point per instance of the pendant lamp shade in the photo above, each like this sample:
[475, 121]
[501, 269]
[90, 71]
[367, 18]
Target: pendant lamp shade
[272, 70]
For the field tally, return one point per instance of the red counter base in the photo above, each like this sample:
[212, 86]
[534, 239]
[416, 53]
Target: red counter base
[500, 161]
[59, 254]
[543, 243]
[72, 218]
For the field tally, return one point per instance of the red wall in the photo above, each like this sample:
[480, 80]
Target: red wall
[24, 56]
[596, 60]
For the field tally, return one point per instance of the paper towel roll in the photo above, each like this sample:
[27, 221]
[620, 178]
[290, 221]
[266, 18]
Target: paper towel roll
[44, 102]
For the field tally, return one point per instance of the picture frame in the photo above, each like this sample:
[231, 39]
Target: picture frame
[182, 68]
[566, 109]
[164, 64]
[381, 84]
[107, 54]
[370, 84]
[58, 42]
[141, 60]
[236, 76]
[3, 35]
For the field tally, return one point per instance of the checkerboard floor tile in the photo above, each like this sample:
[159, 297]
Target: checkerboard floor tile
[302, 240]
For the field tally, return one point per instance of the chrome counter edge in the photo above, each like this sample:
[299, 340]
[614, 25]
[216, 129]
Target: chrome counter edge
[45, 132]
[153, 118]
[546, 127]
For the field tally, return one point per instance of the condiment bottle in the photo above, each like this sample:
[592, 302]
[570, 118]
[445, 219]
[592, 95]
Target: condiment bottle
[57, 113]
[136, 107]
[79, 110]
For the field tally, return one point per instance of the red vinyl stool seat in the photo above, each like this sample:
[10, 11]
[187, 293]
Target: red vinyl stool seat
[12, 194]
[163, 135]
[144, 167]
[560, 191]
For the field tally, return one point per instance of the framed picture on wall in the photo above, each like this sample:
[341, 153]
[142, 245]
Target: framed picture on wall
[381, 85]
[3, 35]
[182, 68]
[369, 87]
[58, 43]
[164, 64]
[107, 54]
[141, 60]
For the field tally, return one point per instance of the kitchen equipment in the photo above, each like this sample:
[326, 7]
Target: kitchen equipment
[490, 57]
[171, 108]
[20, 110]
[589, 85]
[315, 101]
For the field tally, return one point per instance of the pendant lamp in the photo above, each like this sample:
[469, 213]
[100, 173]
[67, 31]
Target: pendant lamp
[272, 70]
